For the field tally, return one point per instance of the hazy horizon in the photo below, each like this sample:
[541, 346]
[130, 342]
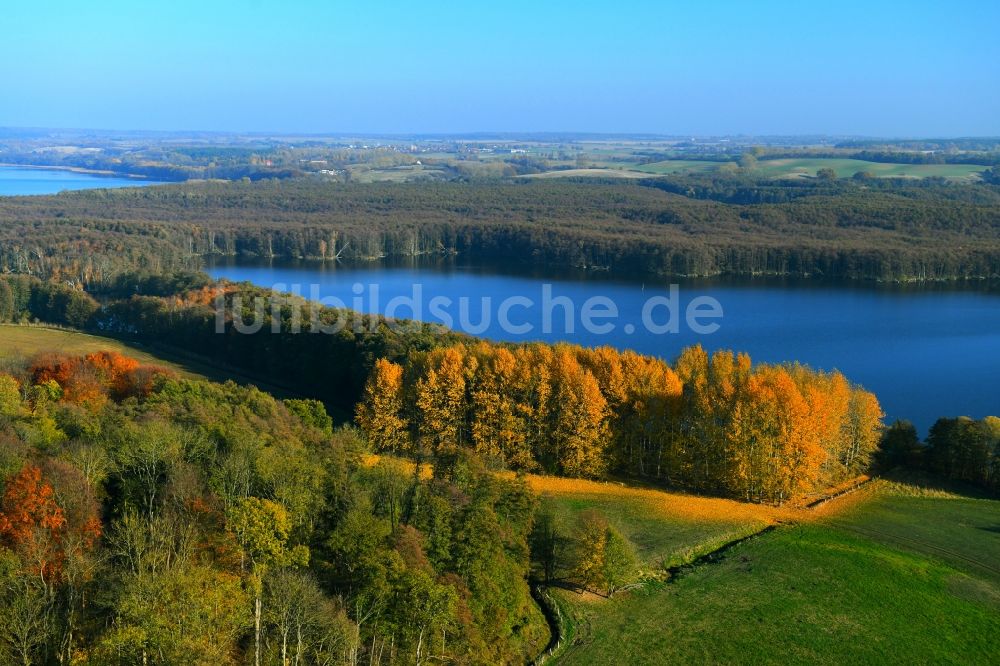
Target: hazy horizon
[482, 135]
[338, 68]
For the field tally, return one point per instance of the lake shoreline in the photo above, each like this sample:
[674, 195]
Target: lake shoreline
[921, 348]
[72, 169]
[460, 262]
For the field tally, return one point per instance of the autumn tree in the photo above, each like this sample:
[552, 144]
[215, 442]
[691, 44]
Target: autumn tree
[380, 412]
[498, 430]
[713, 422]
[441, 399]
[579, 431]
[32, 524]
[603, 559]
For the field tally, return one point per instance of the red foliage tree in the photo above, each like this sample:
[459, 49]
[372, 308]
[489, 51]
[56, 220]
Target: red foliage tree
[95, 376]
[32, 523]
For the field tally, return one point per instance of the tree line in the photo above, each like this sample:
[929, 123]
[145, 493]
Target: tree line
[338, 368]
[960, 449]
[713, 423]
[674, 226]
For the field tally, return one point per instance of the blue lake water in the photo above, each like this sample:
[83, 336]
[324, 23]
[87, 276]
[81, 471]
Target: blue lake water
[926, 352]
[18, 181]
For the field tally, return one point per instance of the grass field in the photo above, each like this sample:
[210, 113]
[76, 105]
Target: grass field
[599, 173]
[22, 342]
[886, 575]
[26, 341]
[665, 528]
[675, 166]
[845, 168]
[398, 174]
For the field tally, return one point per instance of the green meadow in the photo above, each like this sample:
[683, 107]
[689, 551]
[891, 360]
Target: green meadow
[677, 166]
[845, 168]
[892, 575]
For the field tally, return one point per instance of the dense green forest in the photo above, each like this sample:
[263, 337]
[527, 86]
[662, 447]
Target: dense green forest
[147, 519]
[676, 226]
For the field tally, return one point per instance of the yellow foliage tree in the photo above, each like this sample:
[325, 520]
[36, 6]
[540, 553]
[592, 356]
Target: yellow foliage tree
[441, 400]
[380, 412]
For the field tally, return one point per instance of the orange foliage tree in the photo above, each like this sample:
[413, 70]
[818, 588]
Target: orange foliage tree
[31, 523]
[713, 422]
[95, 377]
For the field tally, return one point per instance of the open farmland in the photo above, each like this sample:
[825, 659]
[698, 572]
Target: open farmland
[845, 168]
[677, 166]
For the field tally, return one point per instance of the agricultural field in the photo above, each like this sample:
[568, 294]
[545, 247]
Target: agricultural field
[589, 172]
[889, 574]
[775, 168]
[677, 166]
[845, 168]
[396, 174]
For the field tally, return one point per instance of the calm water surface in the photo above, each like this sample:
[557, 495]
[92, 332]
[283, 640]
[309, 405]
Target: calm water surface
[925, 352]
[19, 181]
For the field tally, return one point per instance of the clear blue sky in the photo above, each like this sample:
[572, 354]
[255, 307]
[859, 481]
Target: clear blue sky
[909, 68]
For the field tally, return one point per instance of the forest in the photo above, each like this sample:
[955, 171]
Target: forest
[332, 368]
[146, 518]
[681, 225]
[149, 519]
[714, 423]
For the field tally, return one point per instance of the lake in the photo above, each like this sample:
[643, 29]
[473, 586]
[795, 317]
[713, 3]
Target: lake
[16, 181]
[926, 352]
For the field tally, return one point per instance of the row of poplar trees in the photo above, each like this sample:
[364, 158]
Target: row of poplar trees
[714, 423]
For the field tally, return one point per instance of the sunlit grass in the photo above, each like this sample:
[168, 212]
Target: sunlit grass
[881, 575]
[23, 342]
